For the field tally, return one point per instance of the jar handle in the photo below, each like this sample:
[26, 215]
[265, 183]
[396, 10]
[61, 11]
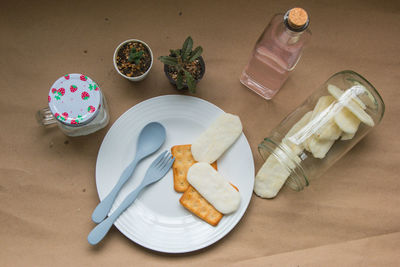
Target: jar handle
[45, 117]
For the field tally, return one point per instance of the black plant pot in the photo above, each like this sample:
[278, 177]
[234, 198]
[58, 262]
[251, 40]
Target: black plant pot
[185, 87]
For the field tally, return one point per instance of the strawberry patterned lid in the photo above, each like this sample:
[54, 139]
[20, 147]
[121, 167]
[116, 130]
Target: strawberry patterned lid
[74, 99]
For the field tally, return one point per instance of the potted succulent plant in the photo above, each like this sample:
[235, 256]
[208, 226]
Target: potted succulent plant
[133, 59]
[184, 67]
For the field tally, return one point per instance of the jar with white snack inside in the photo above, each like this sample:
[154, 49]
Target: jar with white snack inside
[332, 120]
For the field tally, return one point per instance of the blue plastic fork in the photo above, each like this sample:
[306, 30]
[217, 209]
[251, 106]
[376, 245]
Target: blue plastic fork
[151, 138]
[156, 171]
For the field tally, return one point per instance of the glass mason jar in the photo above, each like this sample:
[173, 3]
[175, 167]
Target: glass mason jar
[76, 105]
[318, 133]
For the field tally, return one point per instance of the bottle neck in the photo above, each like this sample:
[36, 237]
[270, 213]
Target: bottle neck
[289, 34]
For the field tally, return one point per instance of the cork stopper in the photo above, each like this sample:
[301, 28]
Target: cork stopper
[297, 18]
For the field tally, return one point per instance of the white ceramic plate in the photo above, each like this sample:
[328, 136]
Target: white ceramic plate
[156, 220]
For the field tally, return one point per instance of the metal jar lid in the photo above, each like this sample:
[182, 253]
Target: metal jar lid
[74, 99]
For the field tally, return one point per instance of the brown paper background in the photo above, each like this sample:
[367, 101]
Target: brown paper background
[349, 217]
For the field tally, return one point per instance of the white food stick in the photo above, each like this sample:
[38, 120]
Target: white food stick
[212, 143]
[319, 148]
[350, 100]
[270, 178]
[272, 175]
[297, 149]
[347, 136]
[214, 187]
[347, 121]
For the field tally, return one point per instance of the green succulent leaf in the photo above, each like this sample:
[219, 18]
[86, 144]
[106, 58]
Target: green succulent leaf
[191, 83]
[178, 59]
[135, 56]
[175, 53]
[179, 81]
[187, 47]
[195, 53]
[133, 51]
[168, 60]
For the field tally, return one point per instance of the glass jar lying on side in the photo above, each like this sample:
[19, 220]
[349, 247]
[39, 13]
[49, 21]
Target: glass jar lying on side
[76, 105]
[318, 133]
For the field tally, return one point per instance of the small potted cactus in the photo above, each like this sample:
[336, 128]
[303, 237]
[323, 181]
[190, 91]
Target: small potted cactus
[184, 67]
[133, 59]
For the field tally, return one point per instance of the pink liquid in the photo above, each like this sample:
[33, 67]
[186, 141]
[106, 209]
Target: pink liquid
[263, 76]
[276, 53]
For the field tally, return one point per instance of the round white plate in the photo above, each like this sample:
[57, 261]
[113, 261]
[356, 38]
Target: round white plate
[156, 220]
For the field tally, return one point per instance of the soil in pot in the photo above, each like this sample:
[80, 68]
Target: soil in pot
[193, 68]
[131, 69]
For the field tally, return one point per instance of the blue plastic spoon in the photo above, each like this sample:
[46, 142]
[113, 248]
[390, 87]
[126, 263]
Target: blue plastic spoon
[150, 140]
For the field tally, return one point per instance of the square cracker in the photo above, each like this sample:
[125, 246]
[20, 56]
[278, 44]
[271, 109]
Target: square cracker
[195, 203]
[183, 161]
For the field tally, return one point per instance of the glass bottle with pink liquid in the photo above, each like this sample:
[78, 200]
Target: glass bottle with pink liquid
[277, 52]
